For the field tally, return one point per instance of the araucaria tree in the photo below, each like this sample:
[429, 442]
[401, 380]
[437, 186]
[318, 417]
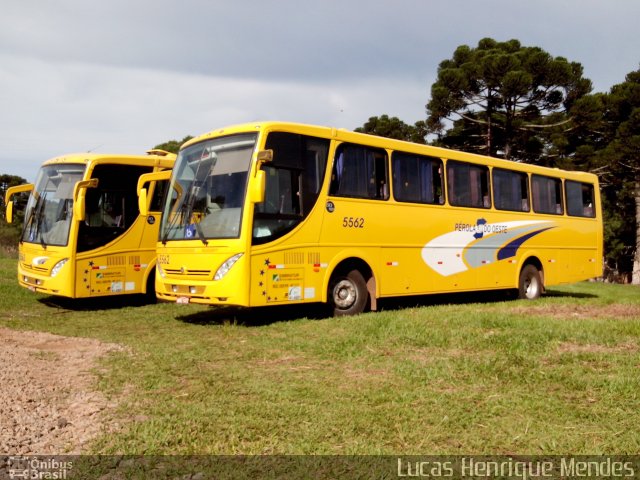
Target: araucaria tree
[172, 145]
[503, 99]
[622, 161]
[393, 127]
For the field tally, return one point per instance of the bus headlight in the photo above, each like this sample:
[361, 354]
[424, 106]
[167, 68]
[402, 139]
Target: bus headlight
[58, 266]
[226, 266]
[160, 271]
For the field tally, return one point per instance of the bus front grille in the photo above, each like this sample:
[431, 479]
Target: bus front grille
[187, 272]
[28, 266]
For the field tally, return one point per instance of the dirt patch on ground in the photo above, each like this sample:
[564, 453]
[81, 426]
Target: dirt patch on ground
[568, 347]
[582, 311]
[48, 401]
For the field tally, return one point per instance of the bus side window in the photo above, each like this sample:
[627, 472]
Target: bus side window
[579, 199]
[510, 190]
[468, 185]
[360, 172]
[159, 191]
[416, 178]
[547, 195]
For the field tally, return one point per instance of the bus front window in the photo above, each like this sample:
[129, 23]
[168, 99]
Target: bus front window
[207, 190]
[49, 210]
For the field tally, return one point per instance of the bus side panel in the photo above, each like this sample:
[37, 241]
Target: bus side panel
[279, 277]
[428, 249]
[393, 238]
[403, 272]
[301, 273]
[147, 248]
[586, 258]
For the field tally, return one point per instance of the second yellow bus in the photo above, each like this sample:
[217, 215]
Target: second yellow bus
[82, 234]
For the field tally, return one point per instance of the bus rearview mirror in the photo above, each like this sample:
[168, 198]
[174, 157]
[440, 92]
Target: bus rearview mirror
[9, 212]
[256, 195]
[11, 191]
[143, 206]
[79, 195]
[143, 192]
[258, 186]
[265, 156]
[79, 212]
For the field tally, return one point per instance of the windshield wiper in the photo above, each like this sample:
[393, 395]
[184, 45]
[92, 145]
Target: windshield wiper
[32, 224]
[41, 220]
[185, 213]
[188, 214]
[201, 236]
[37, 215]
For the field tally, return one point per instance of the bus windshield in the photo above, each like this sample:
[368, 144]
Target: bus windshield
[207, 190]
[49, 210]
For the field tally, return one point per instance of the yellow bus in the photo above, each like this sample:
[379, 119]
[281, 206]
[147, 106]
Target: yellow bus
[82, 234]
[282, 213]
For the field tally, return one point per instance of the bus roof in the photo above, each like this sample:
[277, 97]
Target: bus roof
[345, 135]
[157, 159]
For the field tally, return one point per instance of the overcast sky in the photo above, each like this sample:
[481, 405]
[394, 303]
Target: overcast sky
[124, 75]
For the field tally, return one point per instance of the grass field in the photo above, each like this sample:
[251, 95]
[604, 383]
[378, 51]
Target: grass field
[434, 375]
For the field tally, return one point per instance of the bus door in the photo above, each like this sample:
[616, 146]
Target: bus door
[109, 256]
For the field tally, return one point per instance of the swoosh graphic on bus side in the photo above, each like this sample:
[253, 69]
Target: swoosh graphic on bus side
[510, 249]
[447, 254]
[487, 249]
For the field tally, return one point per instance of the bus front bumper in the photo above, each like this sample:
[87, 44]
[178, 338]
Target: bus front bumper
[177, 291]
[43, 283]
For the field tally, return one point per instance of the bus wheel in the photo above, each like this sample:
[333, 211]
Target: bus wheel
[348, 293]
[530, 284]
[150, 294]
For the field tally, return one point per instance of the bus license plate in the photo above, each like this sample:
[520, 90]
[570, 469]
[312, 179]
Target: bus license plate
[182, 300]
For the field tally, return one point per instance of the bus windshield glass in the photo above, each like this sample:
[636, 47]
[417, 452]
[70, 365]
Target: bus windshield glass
[49, 211]
[207, 190]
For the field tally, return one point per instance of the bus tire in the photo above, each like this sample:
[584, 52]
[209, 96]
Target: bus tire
[530, 283]
[348, 293]
[150, 293]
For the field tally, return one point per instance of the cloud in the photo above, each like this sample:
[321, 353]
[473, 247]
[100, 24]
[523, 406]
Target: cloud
[124, 75]
[61, 108]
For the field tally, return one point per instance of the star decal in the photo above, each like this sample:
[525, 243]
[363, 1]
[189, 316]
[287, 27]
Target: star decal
[267, 262]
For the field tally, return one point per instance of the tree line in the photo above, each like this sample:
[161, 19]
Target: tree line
[520, 103]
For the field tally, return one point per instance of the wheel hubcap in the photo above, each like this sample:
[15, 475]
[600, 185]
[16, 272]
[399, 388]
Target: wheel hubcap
[344, 294]
[531, 287]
